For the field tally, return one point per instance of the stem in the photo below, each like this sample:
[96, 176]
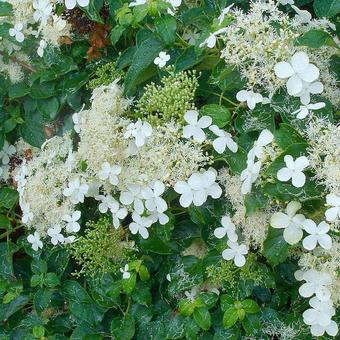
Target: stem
[7, 233]
[21, 63]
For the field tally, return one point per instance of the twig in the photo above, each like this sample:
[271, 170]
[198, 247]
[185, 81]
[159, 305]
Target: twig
[21, 63]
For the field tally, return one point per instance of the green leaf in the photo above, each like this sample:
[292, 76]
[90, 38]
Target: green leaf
[287, 192]
[144, 273]
[5, 9]
[42, 299]
[123, 328]
[251, 324]
[286, 136]
[5, 223]
[250, 306]
[226, 302]
[326, 8]
[18, 90]
[32, 131]
[255, 200]
[6, 262]
[48, 107]
[130, 283]
[189, 58]
[166, 28]
[92, 11]
[51, 280]
[39, 266]
[116, 33]
[42, 90]
[80, 303]
[316, 39]
[275, 248]
[202, 318]
[142, 295]
[186, 307]
[37, 280]
[9, 309]
[230, 317]
[220, 115]
[8, 197]
[144, 56]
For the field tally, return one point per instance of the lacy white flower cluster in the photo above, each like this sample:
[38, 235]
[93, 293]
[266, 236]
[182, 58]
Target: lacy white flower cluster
[294, 225]
[266, 56]
[36, 19]
[125, 165]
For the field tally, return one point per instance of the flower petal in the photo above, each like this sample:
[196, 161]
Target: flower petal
[283, 70]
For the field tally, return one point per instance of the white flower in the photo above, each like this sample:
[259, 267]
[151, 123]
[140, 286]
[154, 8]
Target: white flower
[140, 225]
[56, 236]
[320, 313]
[250, 97]
[27, 215]
[16, 32]
[223, 13]
[7, 151]
[333, 213]
[197, 189]
[153, 201]
[140, 131]
[265, 138]
[168, 277]
[137, 3]
[210, 42]
[76, 191]
[77, 120]
[294, 171]
[106, 202]
[109, 172]
[69, 239]
[223, 140]
[318, 234]
[41, 48]
[307, 89]
[125, 272]
[286, 2]
[160, 217]
[70, 4]
[297, 71]
[43, 9]
[305, 110]
[162, 59]
[195, 126]
[249, 175]
[118, 213]
[302, 16]
[228, 228]
[235, 251]
[59, 23]
[316, 283]
[291, 222]
[319, 330]
[133, 195]
[35, 241]
[72, 225]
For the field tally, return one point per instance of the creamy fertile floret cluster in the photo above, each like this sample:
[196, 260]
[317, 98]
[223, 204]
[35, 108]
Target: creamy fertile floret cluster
[126, 166]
